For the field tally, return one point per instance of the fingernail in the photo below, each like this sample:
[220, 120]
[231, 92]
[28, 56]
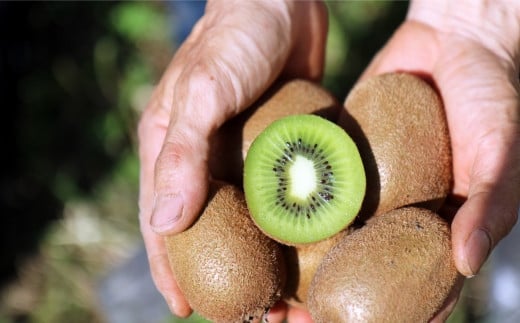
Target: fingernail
[167, 212]
[477, 249]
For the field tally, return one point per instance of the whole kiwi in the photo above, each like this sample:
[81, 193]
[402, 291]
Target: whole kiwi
[398, 123]
[397, 268]
[231, 142]
[302, 263]
[226, 268]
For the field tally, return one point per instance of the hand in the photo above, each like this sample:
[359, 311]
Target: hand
[234, 53]
[473, 61]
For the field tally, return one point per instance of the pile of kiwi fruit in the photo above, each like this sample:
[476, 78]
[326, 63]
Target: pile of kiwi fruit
[328, 207]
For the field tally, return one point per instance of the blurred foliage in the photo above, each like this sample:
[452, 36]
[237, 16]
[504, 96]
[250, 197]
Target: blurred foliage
[73, 79]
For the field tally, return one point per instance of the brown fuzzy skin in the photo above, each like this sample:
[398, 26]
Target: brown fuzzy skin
[397, 268]
[398, 122]
[302, 263]
[294, 97]
[230, 144]
[226, 268]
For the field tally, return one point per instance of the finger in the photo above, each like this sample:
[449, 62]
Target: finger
[277, 313]
[491, 209]
[488, 215]
[181, 176]
[298, 315]
[450, 302]
[484, 125]
[163, 277]
[152, 129]
[206, 94]
[307, 58]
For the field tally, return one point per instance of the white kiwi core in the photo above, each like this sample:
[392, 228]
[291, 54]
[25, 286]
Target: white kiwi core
[302, 177]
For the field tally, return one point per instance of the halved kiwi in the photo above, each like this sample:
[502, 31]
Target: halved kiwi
[304, 179]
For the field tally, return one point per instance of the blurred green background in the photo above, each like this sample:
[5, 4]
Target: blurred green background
[74, 78]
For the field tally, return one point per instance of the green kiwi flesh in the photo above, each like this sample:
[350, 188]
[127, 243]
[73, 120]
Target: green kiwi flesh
[397, 268]
[304, 179]
[398, 123]
[227, 269]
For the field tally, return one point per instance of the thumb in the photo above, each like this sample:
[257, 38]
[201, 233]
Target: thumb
[181, 179]
[491, 210]
[481, 95]
[181, 176]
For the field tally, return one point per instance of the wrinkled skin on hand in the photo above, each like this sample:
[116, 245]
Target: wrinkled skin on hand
[240, 47]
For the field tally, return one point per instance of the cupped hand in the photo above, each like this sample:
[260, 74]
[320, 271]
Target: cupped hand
[473, 61]
[235, 51]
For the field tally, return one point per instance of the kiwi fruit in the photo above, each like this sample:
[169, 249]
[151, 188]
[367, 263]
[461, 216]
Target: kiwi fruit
[304, 180]
[398, 123]
[302, 263]
[396, 268]
[227, 269]
[231, 142]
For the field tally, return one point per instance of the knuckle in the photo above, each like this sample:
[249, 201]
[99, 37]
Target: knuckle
[168, 161]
